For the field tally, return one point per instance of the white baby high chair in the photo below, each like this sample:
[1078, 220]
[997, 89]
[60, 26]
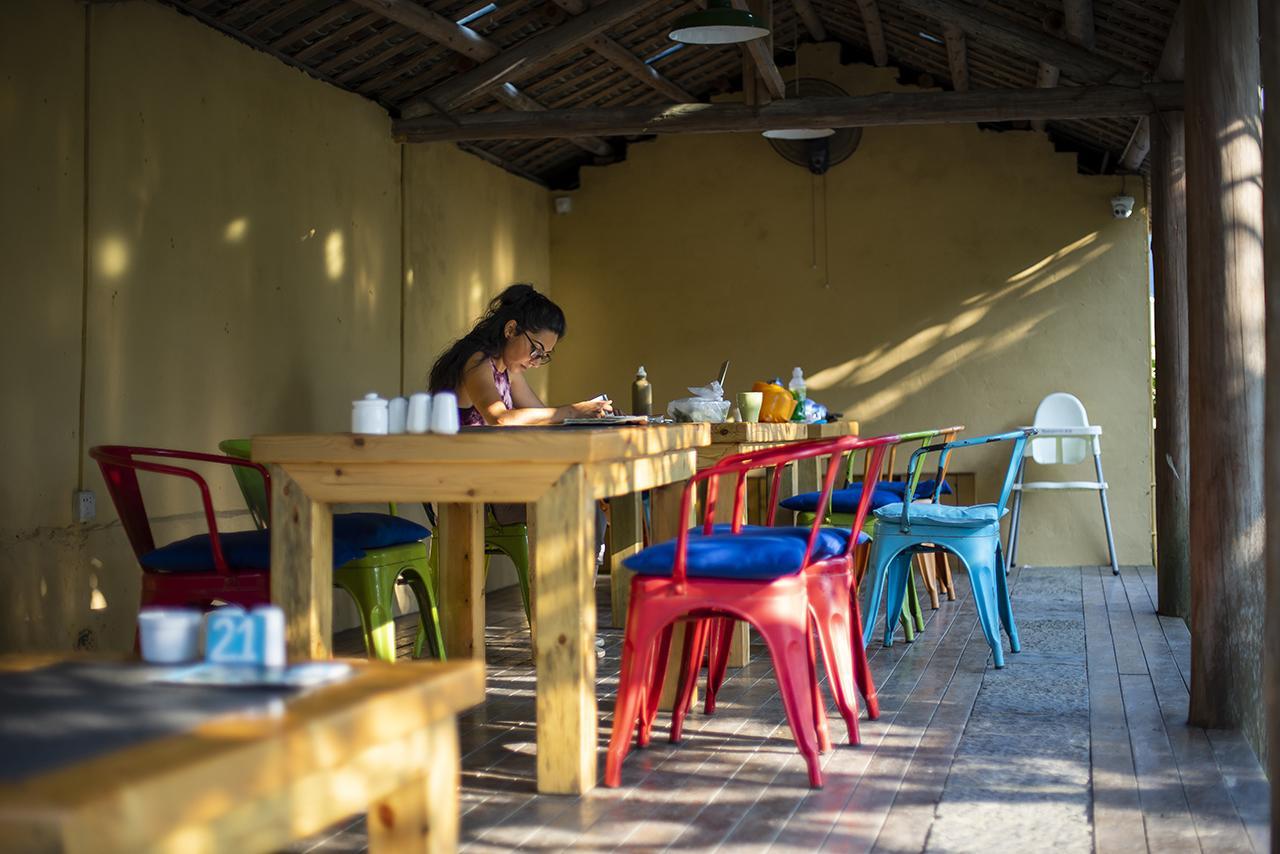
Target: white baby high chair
[1064, 434]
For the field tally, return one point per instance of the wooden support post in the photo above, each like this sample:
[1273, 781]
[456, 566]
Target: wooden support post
[1225, 302]
[1172, 463]
[461, 570]
[626, 529]
[302, 560]
[564, 633]
[1270, 19]
[423, 815]
[664, 524]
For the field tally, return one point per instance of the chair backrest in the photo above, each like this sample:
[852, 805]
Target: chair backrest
[1059, 410]
[120, 465]
[1017, 437]
[922, 436]
[252, 485]
[777, 459]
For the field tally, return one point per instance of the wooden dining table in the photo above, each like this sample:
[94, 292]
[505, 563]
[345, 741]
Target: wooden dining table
[559, 472]
[100, 757]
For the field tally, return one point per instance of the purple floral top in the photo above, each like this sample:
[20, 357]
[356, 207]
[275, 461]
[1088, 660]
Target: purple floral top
[471, 417]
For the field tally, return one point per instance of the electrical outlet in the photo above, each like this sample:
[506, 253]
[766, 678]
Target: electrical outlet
[84, 505]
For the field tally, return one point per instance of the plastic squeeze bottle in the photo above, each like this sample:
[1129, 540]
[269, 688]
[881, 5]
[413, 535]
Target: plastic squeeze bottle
[641, 394]
[798, 392]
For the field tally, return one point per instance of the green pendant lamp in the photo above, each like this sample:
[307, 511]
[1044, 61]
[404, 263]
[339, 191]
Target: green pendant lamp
[719, 23]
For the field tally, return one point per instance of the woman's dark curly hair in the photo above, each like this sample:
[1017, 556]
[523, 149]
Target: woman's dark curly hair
[532, 312]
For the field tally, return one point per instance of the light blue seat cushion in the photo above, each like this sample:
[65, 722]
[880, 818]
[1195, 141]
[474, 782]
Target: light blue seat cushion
[242, 549]
[974, 516]
[842, 500]
[761, 554]
[376, 530]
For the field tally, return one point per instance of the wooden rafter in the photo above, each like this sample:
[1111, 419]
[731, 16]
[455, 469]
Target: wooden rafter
[628, 61]
[875, 31]
[526, 58]
[1078, 63]
[888, 108]
[957, 58]
[812, 22]
[469, 43]
[761, 53]
[1172, 67]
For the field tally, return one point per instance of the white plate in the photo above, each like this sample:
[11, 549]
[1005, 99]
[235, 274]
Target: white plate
[231, 675]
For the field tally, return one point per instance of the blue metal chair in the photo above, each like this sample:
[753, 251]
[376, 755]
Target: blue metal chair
[970, 533]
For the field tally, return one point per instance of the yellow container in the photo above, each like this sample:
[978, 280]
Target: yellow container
[778, 404]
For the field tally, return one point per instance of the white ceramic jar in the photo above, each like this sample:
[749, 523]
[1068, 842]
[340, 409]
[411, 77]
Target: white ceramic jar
[369, 415]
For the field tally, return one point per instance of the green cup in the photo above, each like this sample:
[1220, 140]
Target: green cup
[749, 403]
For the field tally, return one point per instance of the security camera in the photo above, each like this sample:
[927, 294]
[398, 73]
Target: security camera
[1122, 207]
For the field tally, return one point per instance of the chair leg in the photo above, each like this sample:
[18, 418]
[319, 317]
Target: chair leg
[1106, 516]
[878, 567]
[979, 558]
[516, 548]
[899, 578]
[695, 650]
[1005, 605]
[861, 666]
[657, 679]
[784, 636]
[820, 724]
[429, 630]
[829, 602]
[633, 683]
[913, 602]
[718, 665]
[928, 574]
[945, 560]
[373, 589]
[1015, 522]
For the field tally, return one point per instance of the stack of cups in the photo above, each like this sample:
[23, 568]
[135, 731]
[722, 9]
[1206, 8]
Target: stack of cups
[420, 413]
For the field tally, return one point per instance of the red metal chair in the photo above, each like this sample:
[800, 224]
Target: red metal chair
[760, 576]
[195, 587]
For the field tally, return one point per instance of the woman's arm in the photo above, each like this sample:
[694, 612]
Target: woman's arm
[478, 383]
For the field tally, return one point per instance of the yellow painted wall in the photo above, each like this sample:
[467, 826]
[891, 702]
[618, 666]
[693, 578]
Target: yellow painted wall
[960, 277]
[245, 265]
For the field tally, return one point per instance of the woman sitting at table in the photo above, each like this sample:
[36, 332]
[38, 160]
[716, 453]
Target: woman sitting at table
[485, 367]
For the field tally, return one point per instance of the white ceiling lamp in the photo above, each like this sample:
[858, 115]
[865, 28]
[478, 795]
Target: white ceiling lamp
[798, 133]
[719, 23]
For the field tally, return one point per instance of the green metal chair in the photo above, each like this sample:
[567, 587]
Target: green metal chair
[510, 539]
[370, 580]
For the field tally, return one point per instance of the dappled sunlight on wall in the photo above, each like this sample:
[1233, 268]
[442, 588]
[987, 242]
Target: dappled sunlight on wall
[941, 275]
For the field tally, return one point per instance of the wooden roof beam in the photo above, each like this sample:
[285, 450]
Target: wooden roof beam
[761, 53]
[1172, 67]
[957, 57]
[886, 108]
[469, 43]
[527, 57]
[1079, 63]
[809, 16]
[875, 32]
[628, 61]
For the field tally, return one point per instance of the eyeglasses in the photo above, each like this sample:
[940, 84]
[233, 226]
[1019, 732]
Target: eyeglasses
[539, 354]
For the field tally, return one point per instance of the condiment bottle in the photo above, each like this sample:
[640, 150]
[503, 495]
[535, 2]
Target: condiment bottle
[641, 394]
[798, 391]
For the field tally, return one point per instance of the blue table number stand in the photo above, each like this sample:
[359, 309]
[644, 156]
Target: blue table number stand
[254, 638]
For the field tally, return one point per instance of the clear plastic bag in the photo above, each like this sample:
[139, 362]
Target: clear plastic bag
[707, 404]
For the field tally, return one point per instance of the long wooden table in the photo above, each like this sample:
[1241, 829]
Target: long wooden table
[558, 472]
[254, 773]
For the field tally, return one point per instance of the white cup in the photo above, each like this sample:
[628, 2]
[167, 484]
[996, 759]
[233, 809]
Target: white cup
[444, 412]
[419, 417]
[397, 415]
[169, 635]
[369, 415]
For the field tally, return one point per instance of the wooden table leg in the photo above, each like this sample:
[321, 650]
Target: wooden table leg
[422, 815]
[665, 523]
[461, 533]
[562, 528]
[302, 567]
[787, 488]
[625, 539]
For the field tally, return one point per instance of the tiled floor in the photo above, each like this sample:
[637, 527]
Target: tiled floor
[1079, 744]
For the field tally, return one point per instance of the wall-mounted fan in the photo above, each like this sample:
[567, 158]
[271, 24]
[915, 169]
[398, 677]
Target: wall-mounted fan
[818, 154]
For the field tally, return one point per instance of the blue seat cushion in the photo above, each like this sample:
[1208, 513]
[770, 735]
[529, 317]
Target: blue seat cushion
[759, 555]
[242, 549]
[376, 530]
[842, 500]
[924, 489]
[975, 516]
[831, 540]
